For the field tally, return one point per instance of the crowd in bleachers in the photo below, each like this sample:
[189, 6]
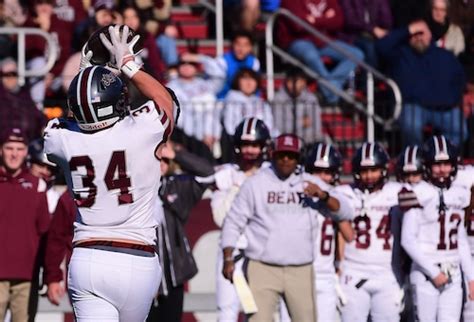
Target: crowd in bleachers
[373, 31]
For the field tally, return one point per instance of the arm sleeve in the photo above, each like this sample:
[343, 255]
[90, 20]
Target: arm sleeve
[465, 253]
[216, 69]
[52, 140]
[43, 215]
[194, 164]
[59, 237]
[236, 220]
[346, 211]
[389, 46]
[410, 229]
[221, 202]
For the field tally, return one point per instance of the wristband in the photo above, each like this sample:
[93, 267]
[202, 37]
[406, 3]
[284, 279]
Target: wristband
[130, 68]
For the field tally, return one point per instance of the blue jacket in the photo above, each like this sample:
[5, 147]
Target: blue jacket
[233, 66]
[434, 79]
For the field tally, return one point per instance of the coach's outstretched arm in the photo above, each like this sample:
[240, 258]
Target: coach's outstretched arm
[122, 57]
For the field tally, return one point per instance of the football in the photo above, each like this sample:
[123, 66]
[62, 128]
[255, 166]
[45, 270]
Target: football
[100, 54]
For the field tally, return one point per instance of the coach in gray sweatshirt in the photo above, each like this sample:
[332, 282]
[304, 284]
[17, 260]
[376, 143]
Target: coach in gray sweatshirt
[272, 209]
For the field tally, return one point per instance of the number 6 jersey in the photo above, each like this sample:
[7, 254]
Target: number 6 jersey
[113, 173]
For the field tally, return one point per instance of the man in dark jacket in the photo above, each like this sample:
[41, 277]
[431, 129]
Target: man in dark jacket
[179, 193]
[431, 80]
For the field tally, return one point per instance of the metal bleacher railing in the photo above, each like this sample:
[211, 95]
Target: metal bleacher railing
[368, 110]
[51, 51]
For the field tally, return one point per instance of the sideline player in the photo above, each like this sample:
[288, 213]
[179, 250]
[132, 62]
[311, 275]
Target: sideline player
[369, 276]
[111, 161]
[252, 141]
[434, 237]
[409, 171]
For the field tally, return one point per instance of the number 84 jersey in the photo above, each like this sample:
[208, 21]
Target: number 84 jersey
[371, 249]
[113, 173]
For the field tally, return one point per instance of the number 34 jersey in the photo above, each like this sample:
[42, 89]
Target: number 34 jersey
[113, 173]
[371, 250]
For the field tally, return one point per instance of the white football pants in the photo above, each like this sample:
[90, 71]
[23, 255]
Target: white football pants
[377, 294]
[432, 304]
[110, 286]
[228, 303]
[468, 312]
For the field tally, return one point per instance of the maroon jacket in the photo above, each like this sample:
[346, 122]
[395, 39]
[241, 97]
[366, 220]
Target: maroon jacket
[289, 31]
[59, 240]
[24, 217]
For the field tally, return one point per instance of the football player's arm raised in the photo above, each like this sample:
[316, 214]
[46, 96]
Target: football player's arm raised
[122, 57]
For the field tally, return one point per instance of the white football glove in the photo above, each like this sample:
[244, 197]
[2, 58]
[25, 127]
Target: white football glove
[120, 50]
[85, 58]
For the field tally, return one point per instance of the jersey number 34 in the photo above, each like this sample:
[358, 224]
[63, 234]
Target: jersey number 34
[115, 178]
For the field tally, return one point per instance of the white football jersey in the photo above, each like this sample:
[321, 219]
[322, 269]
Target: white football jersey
[372, 247]
[113, 173]
[438, 225]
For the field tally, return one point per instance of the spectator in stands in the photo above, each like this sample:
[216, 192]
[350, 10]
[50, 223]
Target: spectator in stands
[43, 16]
[294, 100]
[431, 81]
[178, 194]
[155, 16]
[25, 218]
[467, 57]
[150, 54]
[446, 34]
[197, 96]
[17, 108]
[243, 101]
[406, 11]
[365, 22]
[223, 69]
[12, 14]
[327, 17]
[461, 13]
[72, 11]
[468, 98]
[249, 11]
[104, 14]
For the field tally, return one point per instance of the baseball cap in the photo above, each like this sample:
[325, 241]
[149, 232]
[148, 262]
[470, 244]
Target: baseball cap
[13, 134]
[288, 143]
